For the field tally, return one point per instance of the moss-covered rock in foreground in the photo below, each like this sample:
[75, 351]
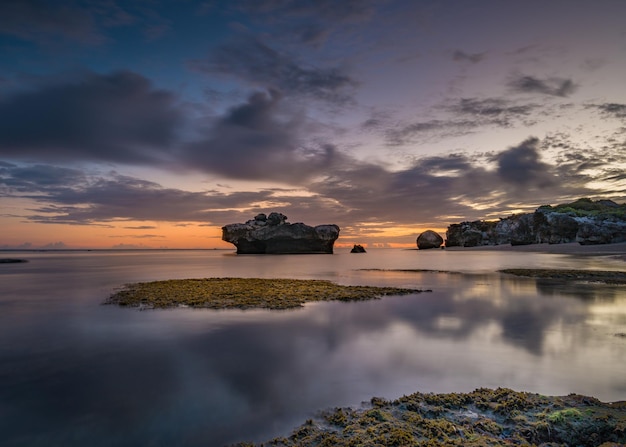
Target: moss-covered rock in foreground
[605, 276]
[485, 417]
[244, 293]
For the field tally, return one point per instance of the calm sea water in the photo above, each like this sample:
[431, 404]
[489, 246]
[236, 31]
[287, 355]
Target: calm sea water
[74, 372]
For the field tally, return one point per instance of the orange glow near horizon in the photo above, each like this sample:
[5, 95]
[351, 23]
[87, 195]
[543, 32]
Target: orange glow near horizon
[18, 233]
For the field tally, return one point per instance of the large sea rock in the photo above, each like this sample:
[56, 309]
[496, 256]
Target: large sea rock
[429, 239]
[274, 235]
[583, 221]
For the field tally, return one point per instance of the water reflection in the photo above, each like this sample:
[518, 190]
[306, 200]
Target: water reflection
[75, 373]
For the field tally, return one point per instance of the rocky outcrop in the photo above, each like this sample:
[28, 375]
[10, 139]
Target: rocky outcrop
[582, 221]
[358, 249]
[429, 239]
[274, 235]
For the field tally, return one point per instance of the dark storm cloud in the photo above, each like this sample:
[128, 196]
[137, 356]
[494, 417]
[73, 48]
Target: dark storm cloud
[551, 86]
[521, 165]
[258, 64]
[260, 140]
[118, 117]
[122, 118]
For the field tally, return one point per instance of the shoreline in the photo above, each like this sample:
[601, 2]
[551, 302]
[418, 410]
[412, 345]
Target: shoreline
[617, 250]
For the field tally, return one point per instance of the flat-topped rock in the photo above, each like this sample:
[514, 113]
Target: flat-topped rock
[274, 235]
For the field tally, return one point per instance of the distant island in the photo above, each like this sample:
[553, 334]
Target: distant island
[274, 235]
[584, 221]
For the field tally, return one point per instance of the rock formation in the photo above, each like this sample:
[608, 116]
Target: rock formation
[358, 249]
[429, 239]
[274, 235]
[583, 221]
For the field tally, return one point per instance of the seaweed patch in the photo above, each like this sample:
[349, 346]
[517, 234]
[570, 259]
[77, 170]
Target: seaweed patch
[484, 417]
[244, 293]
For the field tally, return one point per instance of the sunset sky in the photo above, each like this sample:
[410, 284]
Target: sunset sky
[154, 123]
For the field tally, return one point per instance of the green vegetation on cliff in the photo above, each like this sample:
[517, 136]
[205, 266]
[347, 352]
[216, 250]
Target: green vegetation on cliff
[587, 207]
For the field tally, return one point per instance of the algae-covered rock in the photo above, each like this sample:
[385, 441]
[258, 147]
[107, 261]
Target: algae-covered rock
[484, 417]
[243, 293]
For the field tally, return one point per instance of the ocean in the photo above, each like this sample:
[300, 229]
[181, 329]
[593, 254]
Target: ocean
[75, 372]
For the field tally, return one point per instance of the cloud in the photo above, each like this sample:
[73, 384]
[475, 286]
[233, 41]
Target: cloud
[521, 166]
[361, 197]
[309, 23]
[69, 196]
[121, 118]
[260, 65]
[345, 11]
[463, 117]
[36, 177]
[462, 56]
[613, 109]
[38, 20]
[139, 236]
[55, 246]
[492, 111]
[84, 21]
[406, 133]
[118, 117]
[260, 139]
[550, 86]
[457, 184]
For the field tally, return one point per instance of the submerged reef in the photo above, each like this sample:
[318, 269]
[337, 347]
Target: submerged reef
[603, 276]
[484, 417]
[274, 235]
[243, 293]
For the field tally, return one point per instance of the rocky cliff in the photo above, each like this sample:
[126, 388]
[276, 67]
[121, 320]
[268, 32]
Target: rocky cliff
[583, 221]
[274, 235]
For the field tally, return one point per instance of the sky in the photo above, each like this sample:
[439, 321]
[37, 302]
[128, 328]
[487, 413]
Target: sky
[152, 124]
